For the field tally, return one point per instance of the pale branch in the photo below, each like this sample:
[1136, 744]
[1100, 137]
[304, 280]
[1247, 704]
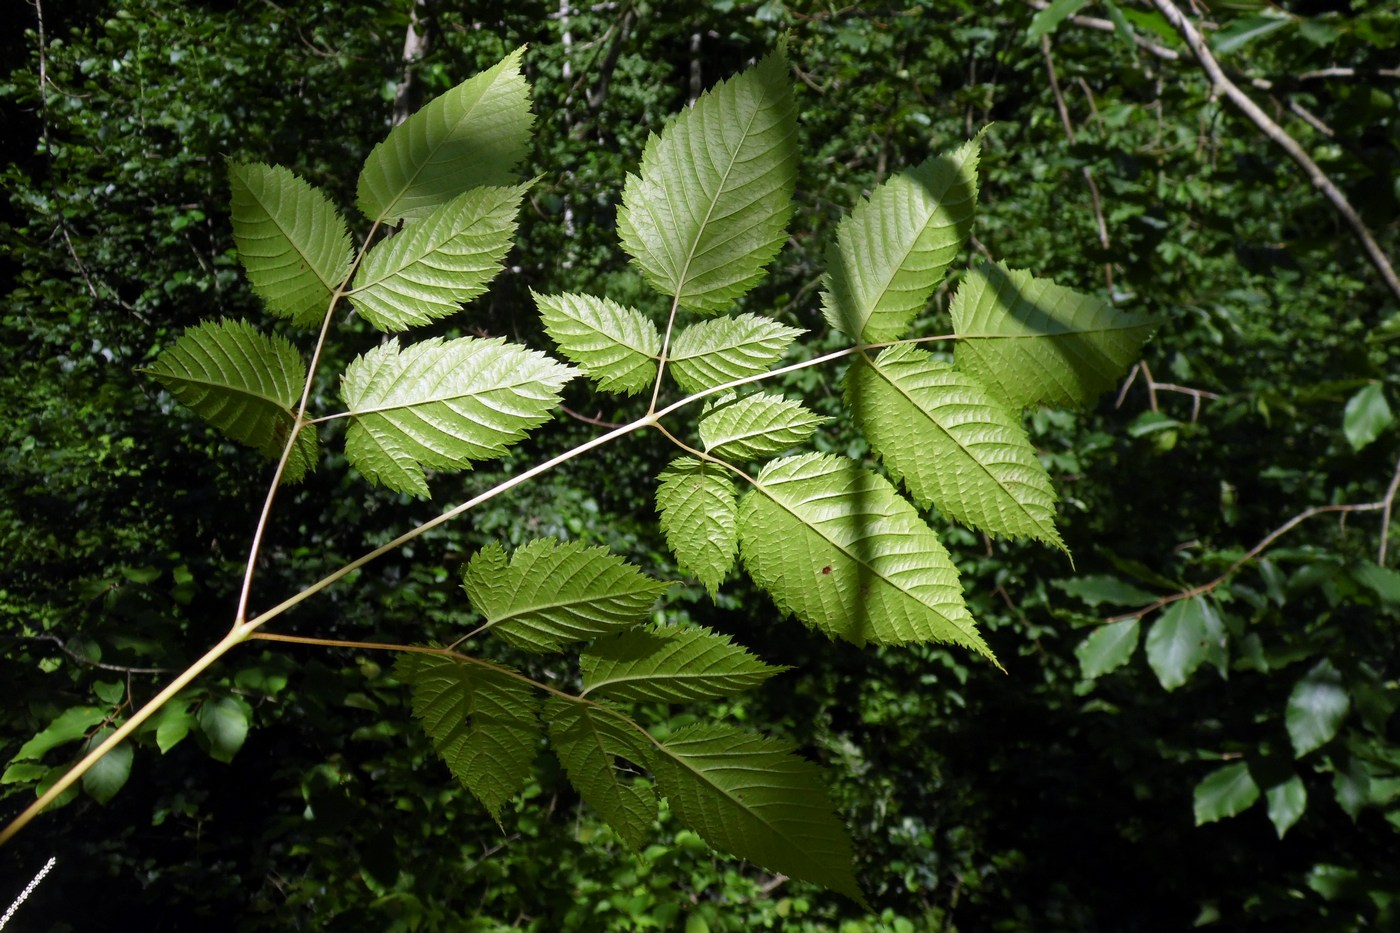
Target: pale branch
[1284, 141]
[100, 665]
[1153, 387]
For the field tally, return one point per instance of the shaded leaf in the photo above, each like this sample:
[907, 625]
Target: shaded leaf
[895, 246]
[699, 512]
[1367, 414]
[1316, 708]
[1107, 648]
[224, 723]
[484, 723]
[836, 546]
[1181, 640]
[429, 270]
[1030, 340]
[953, 444]
[615, 346]
[1225, 792]
[1287, 801]
[710, 204]
[442, 404]
[68, 726]
[1099, 589]
[753, 797]
[590, 741]
[550, 594]
[109, 774]
[671, 665]
[474, 134]
[291, 239]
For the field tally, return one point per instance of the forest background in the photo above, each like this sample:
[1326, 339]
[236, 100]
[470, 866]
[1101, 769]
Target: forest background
[1196, 720]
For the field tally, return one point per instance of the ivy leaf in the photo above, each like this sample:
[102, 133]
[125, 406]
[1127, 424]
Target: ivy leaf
[483, 722]
[1225, 792]
[291, 240]
[550, 594]
[442, 404]
[756, 426]
[1031, 341]
[836, 546]
[711, 353]
[589, 741]
[1316, 708]
[711, 203]
[474, 134]
[671, 665]
[699, 512]
[952, 443]
[1185, 636]
[104, 779]
[615, 346]
[753, 797]
[243, 382]
[895, 247]
[439, 263]
[1107, 648]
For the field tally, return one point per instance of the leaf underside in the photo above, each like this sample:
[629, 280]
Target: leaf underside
[434, 266]
[670, 665]
[243, 382]
[590, 741]
[549, 594]
[838, 547]
[895, 247]
[699, 512]
[711, 202]
[484, 723]
[1032, 341]
[754, 797]
[292, 241]
[442, 404]
[952, 443]
[615, 346]
[710, 353]
[475, 134]
[756, 426]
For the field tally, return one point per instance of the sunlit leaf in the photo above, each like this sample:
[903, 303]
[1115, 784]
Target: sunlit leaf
[670, 665]
[615, 346]
[756, 426]
[699, 510]
[711, 353]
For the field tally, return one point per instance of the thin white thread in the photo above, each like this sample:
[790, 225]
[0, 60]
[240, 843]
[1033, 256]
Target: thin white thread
[28, 889]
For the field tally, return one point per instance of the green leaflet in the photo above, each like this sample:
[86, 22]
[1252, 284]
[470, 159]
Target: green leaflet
[756, 426]
[475, 134]
[699, 518]
[589, 741]
[952, 443]
[615, 346]
[1030, 340]
[711, 353]
[291, 240]
[443, 403]
[671, 665]
[436, 265]
[483, 722]
[243, 382]
[710, 205]
[894, 248]
[836, 546]
[549, 594]
[754, 797]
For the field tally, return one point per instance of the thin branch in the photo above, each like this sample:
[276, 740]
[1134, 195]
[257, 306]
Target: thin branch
[1386, 511]
[1285, 142]
[100, 665]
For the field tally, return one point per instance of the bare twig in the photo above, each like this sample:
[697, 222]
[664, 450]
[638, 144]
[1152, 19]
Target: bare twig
[100, 665]
[1153, 387]
[1287, 143]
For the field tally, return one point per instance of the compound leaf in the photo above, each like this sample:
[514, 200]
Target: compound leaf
[711, 203]
[698, 517]
[952, 443]
[550, 594]
[711, 353]
[752, 796]
[590, 740]
[436, 265]
[442, 404]
[671, 665]
[474, 134]
[483, 722]
[895, 247]
[243, 382]
[615, 346]
[836, 546]
[756, 426]
[1030, 340]
[291, 240]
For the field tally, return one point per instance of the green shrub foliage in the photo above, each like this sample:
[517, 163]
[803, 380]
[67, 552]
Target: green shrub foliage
[841, 544]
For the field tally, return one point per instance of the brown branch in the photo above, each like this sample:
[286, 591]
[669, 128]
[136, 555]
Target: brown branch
[1285, 142]
[100, 665]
